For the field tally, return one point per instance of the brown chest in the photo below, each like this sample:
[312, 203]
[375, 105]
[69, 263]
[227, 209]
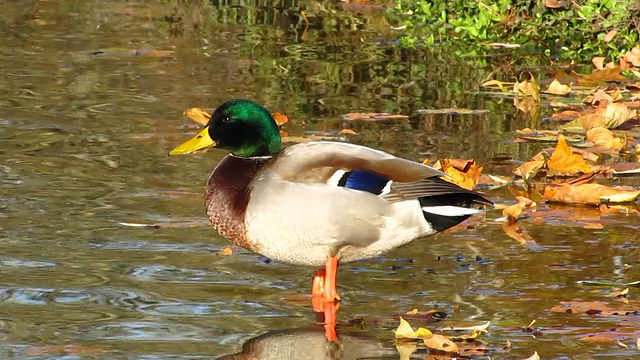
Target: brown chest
[227, 197]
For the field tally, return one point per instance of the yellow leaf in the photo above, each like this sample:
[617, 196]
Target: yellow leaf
[226, 251]
[423, 333]
[198, 115]
[412, 312]
[535, 356]
[464, 173]
[564, 162]
[404, 330]
[441, 343]
[480, 328]
[557, 88]
[499, 84]
[512, 212]
[588, 194]
[622, 293]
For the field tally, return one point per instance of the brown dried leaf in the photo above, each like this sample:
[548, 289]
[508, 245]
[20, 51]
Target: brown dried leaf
[599, 77]
[563, 162]
[633, 56]
[566, 115]
[616, 114]
[441, 343]
[610, 35]
[557, 88]
[598, 62]
[464, 173]
[553, 4]
[603, 137]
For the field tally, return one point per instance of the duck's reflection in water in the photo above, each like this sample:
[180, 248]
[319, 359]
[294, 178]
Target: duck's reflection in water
[311, 343]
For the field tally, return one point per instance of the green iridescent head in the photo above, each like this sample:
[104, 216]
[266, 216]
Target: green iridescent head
[241, 126]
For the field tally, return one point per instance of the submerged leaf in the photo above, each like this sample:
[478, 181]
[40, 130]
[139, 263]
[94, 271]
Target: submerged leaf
[198, 115]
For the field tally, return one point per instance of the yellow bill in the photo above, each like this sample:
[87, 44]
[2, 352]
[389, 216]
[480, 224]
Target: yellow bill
[199, 142]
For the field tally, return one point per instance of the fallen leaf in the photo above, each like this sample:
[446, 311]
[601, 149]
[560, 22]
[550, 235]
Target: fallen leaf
[372, 116]
[554, 4]
[604, 137]
[513, 211]
[566, 115]
[598, 62]
[412, 312]
[615, 114]
[481, 328]
[600, 77]
[621, 293]
[610, 35]
[198, 115]
[599, 98]
[280, 119]
[633, 56]
[405, 331]
[588, 194]
[535, 356]
[441, 343]
[347, 131]
[528, 88]
[464, 173]
[563, 162]
[529, 169]
[225, 252]
[557, 88]
[587, 121]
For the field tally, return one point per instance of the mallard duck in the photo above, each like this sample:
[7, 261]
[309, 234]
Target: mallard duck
[318, 203]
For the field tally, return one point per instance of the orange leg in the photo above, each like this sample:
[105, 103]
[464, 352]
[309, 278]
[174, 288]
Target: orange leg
[331, 272]
[317, 291]
[330, 311]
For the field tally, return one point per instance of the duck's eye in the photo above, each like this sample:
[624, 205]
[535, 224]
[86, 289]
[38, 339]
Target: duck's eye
[226, 119]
